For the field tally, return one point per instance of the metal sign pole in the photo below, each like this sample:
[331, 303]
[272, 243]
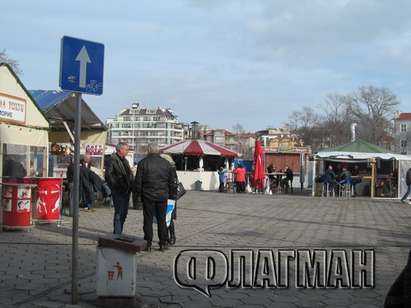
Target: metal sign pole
[83, 60]
[76, 199]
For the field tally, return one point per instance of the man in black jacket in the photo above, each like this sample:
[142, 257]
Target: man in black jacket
[408, 182]
[119, 178]
[154, 184]
[86, 192]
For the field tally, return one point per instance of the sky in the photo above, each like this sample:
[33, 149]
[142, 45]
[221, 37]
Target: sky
[219, 62]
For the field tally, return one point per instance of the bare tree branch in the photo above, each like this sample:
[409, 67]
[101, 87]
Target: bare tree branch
[4, 58]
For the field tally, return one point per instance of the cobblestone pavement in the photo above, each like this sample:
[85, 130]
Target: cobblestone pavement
[35, 266]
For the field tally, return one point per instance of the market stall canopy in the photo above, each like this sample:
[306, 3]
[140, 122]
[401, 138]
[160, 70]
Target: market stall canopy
[198, 148]
[59, 107]
[359, 150]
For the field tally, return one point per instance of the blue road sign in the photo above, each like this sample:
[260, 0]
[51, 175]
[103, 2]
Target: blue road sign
[81, 66]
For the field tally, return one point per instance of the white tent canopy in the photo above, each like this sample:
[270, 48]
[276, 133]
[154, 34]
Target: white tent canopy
[339, 155]
[360, 151]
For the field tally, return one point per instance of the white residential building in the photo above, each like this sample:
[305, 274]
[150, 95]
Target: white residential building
[402, 133]
[140, 126]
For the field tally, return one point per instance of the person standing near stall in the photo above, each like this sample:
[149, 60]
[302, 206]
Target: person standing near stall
[408, 182]
[289, 175]
[239, 174]
[86, 192]
[171, 227]
[119, 179]
[154, 184]
[222, 176]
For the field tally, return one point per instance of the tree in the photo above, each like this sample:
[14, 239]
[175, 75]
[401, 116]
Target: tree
[374, 109]
[238, 129]
[337, 118]
[305, 124]
[4, 58]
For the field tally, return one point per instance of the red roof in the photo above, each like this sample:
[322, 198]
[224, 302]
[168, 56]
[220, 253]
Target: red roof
[405, 116]
[198, 148]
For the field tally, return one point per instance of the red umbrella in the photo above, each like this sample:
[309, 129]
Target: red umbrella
[259, 170]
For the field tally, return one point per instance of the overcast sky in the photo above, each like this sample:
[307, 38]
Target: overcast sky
[219, 62]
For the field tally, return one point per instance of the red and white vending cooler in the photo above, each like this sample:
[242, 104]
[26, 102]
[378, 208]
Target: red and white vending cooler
[17, 203]
[49, 196]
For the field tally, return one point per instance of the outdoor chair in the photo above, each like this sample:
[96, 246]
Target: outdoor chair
[345, 189]
[328, 190]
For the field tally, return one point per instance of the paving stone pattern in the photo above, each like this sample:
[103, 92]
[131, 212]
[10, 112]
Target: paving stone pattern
[35, 266]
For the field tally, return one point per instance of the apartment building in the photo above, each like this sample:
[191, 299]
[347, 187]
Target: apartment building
[139, 126]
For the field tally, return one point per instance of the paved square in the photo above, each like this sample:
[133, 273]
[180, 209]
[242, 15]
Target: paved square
[35, 266]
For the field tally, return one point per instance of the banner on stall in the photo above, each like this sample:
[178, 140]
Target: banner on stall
[12, 108]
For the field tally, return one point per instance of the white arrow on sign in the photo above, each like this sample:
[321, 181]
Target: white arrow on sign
[83, 58]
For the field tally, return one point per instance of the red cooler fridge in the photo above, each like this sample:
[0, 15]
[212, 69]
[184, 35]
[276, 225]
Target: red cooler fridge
[17, 203]
[48, 205]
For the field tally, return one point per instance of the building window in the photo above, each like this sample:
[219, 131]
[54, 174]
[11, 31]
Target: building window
[403, 143]
[403, 127]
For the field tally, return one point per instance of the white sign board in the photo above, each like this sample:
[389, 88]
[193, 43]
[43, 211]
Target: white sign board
[12, 108]
[116, 273]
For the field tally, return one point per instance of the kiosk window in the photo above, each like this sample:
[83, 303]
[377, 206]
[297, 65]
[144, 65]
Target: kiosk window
[22, 160]
[15, 160]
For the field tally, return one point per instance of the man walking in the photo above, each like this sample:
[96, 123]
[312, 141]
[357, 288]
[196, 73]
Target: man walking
[408, 182]
[155, 183]
[119, 178]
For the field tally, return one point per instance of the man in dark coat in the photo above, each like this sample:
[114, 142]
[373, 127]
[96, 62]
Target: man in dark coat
[408, 182]
[289, 175]
[119, 178]
[86, 192]
[154, 184]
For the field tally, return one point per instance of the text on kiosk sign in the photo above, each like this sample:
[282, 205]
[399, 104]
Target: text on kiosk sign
[12, 108]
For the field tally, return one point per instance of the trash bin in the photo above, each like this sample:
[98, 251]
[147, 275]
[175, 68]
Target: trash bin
[197, 185]
[17, 203]
[49, 199]
[116, 266]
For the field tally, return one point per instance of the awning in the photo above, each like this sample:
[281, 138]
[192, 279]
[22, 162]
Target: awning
[337, 155]
[198, 148]
[59, 107]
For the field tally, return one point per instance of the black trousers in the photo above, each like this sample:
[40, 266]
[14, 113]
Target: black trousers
[156, 209]
[240, 186]
[407, 193]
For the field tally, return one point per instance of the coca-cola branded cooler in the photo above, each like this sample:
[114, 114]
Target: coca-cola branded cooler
[17, 203]
[49, 196]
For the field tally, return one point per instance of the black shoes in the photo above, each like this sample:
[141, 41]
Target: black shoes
[163, 247]
[148, 247]
[172, 239]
